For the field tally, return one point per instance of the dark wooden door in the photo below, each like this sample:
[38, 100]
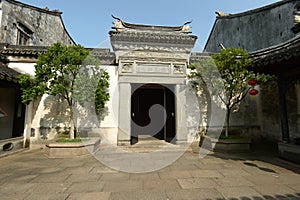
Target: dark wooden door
[142, 100]
[170, 131]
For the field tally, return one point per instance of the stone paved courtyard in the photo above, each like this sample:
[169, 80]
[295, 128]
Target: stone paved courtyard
[260, 175]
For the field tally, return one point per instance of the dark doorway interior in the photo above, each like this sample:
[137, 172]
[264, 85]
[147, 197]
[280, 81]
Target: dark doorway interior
[143, 98]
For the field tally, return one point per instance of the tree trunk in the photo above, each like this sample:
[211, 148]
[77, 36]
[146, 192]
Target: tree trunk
[72, 126]
[205, 111]
[227, 125]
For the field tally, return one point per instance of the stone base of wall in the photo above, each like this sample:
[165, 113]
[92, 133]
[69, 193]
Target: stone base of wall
[289, 152]
[231, 145]
[71, 149]
[124, 143]
[8, 146]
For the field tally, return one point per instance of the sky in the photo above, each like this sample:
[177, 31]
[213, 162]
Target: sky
[88, 22]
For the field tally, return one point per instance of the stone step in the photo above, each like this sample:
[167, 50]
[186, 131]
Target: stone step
[151, 144]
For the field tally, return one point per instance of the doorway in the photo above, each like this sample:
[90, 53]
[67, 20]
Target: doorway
[144, 121]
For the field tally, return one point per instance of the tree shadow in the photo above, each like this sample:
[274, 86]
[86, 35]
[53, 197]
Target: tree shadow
[264, 151]
[56, 119]
[87, 118]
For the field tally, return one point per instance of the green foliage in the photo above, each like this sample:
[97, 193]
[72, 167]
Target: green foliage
[57, 72]
[101, 95]
[232, 65]
[31, 90]
[225, 75]
[65, 140]
[91, 84]
[204, 76]
[66, 71]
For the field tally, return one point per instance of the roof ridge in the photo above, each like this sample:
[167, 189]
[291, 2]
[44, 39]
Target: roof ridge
[45, 10]
[255, 10]
[122, 25]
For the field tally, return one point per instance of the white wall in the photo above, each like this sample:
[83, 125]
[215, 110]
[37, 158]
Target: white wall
[109, 126]
[24, 68]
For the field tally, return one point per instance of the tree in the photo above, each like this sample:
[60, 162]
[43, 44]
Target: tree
[202, 75]
[56, 73]
[228, 79]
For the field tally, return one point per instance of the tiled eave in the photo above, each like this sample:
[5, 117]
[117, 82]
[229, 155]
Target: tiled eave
[197, 56]
[152, 37]
[105, 56]
[15, 50]
[271, 58]
[8, 74]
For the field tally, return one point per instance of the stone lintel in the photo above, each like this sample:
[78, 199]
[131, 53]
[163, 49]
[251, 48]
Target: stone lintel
[151, 79]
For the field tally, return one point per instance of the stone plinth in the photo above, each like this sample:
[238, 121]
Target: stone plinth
[289, 152]
[11, 145]
[70, 149]
[231, 145]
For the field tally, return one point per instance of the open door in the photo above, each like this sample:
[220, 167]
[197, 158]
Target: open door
[143, 98]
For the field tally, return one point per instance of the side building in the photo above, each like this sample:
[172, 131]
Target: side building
[25, 31]
[271, 35]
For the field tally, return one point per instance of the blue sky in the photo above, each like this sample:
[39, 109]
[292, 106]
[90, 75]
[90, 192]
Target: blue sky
[89, 22]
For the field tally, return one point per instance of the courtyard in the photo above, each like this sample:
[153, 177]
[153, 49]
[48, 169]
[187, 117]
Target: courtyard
[258, 175]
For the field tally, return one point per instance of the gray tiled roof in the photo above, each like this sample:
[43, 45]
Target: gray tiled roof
[275, 55]
[8, 74]
[22, 50]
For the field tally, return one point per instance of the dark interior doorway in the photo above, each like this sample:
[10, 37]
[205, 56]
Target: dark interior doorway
[142, 99]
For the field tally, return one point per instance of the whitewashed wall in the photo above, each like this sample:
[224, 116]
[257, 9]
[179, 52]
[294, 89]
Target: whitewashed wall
[109, 126]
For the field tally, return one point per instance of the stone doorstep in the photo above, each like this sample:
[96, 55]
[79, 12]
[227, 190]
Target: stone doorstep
[69, 149]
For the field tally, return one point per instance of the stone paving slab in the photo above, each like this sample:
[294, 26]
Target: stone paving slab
[175, 174]
[145, 176]
[232, 181]
[165, 184]
[89, 195]
[206, 173]
[94, 186]
[122, 185]
[46, 196]
[195, 194]
[242, 192]
[197, 183]
[31, 175]
[273, 190]
[140, 195]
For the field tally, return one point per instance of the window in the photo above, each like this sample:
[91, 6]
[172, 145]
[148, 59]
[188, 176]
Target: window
[297, 14]
[296, 27]
[23, 34]
[23, 39]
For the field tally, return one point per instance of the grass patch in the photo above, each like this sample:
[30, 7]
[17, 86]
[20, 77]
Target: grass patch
[63, 140]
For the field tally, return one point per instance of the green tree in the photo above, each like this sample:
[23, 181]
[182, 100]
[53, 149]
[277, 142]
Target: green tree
[227, 78]
[56, 73]
[201, 76]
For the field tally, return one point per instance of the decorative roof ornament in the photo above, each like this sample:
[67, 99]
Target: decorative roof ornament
[186, 28]
[120, 25]
[221, 14]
